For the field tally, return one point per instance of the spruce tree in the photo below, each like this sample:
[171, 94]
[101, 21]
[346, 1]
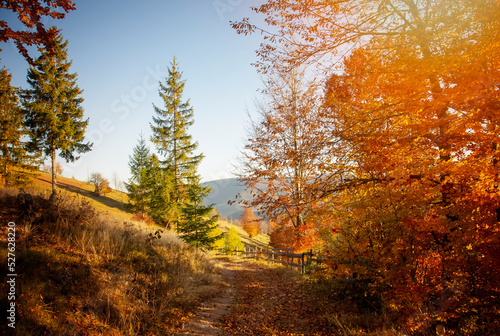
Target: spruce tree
[54, 115]
[149, 187]
[198, 223]
[17, 165]
[137, 186]
[172, 140]
[159, 192]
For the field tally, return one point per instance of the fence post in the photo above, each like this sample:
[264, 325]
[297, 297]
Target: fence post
[303, 266]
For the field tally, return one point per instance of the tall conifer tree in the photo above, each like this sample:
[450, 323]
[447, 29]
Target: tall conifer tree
[54, 115]
[16, 164]
[180, 164]
[174, 143]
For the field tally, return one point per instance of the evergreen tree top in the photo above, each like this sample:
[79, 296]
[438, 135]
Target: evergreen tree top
[53, 59]
[174, 84]
[54, 115]
[140, 155]
[170, 126]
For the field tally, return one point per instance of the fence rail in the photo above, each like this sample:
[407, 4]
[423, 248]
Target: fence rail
[284, 256]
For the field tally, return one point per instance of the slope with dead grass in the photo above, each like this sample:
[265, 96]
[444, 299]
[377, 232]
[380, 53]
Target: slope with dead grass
[112, 202]
[81, 272]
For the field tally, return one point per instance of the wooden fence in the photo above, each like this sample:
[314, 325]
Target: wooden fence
[284, 256]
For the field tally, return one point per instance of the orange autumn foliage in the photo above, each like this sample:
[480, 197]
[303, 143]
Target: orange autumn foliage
[286, 157]
[281, 236]
[249, 222]
[411, 192]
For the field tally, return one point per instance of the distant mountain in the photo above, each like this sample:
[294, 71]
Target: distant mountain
[226, 190]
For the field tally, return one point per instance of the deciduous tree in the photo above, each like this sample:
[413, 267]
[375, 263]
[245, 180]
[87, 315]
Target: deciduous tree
[287, 158]
[249, 222]
[281, 235]
[101, 184]
[412, 94]
[425, 144]
[233, 241]
[31, 13]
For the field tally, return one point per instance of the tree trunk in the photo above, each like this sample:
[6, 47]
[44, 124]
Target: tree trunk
[54, 172]
[5, 167]
[3, 175]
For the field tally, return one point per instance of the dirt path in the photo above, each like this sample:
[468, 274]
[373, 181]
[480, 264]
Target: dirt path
[208, 318]
[258, 300]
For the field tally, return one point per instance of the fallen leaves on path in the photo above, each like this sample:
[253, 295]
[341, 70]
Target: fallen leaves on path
[270, 301]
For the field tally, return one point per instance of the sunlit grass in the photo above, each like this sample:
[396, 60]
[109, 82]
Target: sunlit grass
[85, 272]
[87, 268]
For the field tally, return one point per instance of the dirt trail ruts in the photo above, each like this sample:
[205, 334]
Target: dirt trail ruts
[207, 319]
[258, 300]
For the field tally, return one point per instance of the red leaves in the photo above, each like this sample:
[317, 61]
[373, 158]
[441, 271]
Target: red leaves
[30, 13]
[287, 157]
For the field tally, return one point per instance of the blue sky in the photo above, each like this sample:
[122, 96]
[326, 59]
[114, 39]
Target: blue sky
[121, 49]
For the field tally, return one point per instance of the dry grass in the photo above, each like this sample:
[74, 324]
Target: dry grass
[87, 273]
[113, 202]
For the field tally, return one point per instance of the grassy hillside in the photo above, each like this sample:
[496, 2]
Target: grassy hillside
[114, 202]
[85, 268]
